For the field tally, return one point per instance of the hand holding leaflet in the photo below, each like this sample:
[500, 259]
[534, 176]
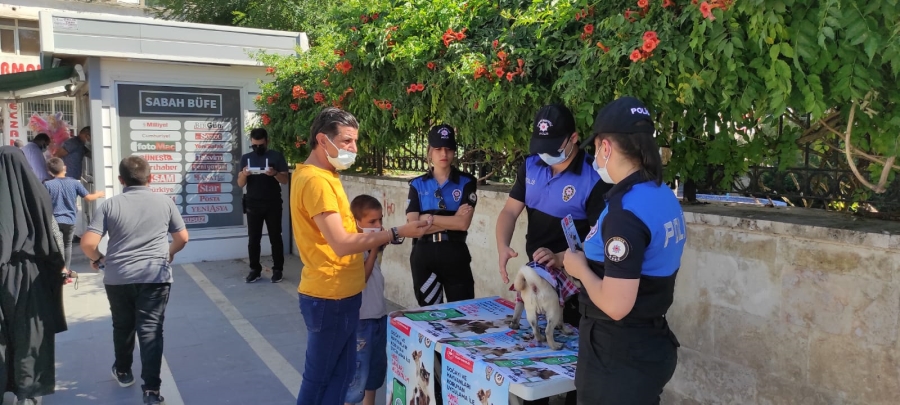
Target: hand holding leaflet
[571, 233]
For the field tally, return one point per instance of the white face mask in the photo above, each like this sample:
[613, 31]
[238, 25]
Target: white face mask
[344, 158]
[604, 174]
[367, 230]
[554, 160]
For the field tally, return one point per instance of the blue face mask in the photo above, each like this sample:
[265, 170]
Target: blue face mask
[554, 160]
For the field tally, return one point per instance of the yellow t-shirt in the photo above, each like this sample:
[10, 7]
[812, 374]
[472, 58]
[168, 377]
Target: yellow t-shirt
[324, 275]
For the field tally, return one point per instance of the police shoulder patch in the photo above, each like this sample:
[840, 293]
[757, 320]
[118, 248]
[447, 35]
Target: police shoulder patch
[617, 248]
[473, 198]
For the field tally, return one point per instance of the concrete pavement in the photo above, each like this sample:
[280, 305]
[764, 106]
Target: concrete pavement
[226, 342]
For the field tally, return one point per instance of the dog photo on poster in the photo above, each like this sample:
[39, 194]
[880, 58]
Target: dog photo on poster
[468, 382]
[410, 379]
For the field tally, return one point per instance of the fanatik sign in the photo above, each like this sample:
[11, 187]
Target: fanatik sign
[191, 138]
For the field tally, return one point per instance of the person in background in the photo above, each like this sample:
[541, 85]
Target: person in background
[371, 333]
[262, 202]
[31, 265]
[627, 353]
[553, 182]
[440, 260]
[73, 151]
[34, 153]
[138, 274]
[333, 275]
[63, 192]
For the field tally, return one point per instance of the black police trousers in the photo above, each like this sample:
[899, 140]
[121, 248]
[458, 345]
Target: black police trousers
[624, 363]
[440, 268]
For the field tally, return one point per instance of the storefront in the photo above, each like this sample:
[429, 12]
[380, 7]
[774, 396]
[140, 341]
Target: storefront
[178, 94]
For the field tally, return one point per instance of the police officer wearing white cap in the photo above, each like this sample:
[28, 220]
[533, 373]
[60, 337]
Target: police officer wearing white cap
[627, 353]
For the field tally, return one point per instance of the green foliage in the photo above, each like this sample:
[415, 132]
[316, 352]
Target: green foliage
[288, 15]
[717, 81]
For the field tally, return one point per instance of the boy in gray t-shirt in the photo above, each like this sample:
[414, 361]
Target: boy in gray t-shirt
[138, 273]
[371, 335]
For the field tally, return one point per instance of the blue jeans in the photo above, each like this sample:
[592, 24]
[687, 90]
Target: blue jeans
[371, 359]
[330, 348]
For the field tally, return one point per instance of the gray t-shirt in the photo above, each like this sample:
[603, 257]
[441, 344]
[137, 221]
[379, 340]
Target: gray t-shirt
[373, 306]
[138, 222]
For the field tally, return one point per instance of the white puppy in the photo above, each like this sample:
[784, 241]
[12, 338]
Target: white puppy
[539, 297]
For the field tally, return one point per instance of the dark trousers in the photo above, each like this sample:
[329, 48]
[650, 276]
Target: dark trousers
[330, 349]
[68, 232]
[139, 309]
[624, 364]
[257, 215]
[440, 268]
[571, 316]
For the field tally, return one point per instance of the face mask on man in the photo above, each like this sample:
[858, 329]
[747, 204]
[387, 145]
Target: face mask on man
[259, 149]
[344, 158]
[554, 160]
[604, 174]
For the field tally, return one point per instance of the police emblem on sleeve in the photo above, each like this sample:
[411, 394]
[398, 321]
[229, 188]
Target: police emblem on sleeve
[457, 194]
[473, 198]
[568, 193]
[617, 249]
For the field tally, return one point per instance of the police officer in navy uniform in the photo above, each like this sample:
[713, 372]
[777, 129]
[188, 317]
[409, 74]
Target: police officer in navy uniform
[440, 260]
[627, 353]
[555, 181]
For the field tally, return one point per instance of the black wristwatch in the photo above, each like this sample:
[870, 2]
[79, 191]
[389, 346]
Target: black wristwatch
[98, 260]
[395, 235]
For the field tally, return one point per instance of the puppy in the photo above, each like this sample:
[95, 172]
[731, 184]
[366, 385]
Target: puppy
[484, 396]
[538, 297]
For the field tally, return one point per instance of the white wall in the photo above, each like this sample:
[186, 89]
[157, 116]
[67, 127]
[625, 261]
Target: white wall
[206, 244]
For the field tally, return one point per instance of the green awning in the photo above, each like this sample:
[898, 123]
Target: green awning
[35, 78]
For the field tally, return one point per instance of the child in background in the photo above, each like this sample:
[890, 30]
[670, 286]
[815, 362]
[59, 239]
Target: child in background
[63, 192]
[371, 336]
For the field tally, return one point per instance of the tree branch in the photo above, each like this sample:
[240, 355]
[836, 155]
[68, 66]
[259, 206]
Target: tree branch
[879, 188]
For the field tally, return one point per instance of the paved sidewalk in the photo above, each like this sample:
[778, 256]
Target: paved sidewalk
[227, 342]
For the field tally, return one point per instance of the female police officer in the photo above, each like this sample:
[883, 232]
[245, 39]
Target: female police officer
[627, 353]
[440, 260]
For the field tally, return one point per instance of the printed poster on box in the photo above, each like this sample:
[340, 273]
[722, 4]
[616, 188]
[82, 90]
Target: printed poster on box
[470, 382]
[410, 377]
[457, 320]
[190, 136]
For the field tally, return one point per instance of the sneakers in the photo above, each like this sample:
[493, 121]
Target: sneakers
[124, 379]
[277, 276]
[153, 398]
[253, 276]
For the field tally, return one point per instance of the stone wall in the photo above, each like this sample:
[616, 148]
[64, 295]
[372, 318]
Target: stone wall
[772, 306]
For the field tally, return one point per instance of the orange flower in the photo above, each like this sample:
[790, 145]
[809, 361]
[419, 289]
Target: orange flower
[270, 99]
[510, 76]
[460, 36]
[347, 66]
[501, 55]
[297, 144]
[495, 43]
[475, 106]
[375, 16]
[388, 106]
[270, 70]
[649, 46]
[521, 62]
[603, 47]
[635, 55]
[295, 107]
[258, 97]
[420, 87]
[339, 52]
[318, 97]
[265, 119]
[667, 3]
[650, 36]
[353, 28]
[706, 11]
[589, 29]
[326, 83]
[643, 3]
[431, 65]
[629, 14]
[499, 72]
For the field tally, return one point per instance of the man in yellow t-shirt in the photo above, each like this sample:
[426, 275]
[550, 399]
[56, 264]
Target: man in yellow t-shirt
[333, 276]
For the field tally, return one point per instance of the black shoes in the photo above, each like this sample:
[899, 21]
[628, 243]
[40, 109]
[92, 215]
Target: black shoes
[153, 398]
[253, 276]
[124, 379]
[277, 276]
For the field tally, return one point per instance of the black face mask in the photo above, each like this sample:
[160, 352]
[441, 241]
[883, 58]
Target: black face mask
[43, 146]
[259, 149]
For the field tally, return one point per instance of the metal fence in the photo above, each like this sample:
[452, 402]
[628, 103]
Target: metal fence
[819, 179]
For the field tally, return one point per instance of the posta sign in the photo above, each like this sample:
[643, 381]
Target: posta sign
[14, 123]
